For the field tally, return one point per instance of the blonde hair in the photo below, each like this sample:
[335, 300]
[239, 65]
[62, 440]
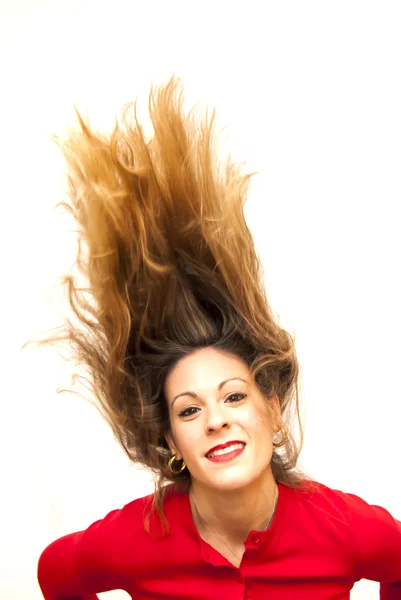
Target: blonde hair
[171, 267]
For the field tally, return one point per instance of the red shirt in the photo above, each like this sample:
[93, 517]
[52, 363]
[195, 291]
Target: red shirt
[317, 546]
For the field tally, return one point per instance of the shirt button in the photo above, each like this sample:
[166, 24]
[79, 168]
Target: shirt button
[255, 539]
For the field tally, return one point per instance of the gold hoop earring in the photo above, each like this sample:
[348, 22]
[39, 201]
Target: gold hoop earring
[284, 438]
[170, 462]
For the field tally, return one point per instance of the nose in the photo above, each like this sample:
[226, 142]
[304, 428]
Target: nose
[216, 419]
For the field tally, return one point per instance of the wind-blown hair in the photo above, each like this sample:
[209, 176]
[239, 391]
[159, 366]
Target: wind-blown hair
[171, 267]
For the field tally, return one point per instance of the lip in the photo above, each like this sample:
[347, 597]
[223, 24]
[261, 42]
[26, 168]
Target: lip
[221, 446]
[225, 458]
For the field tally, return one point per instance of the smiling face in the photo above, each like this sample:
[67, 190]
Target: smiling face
[205, 412]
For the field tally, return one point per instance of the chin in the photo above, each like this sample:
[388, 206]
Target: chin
[232, 481]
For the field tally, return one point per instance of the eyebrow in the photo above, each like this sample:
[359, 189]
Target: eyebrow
[218, 388]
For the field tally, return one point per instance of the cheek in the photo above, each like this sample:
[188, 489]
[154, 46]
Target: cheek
[255, 417]
[258, 425]
[188, 439]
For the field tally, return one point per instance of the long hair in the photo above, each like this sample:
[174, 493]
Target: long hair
[171, 267]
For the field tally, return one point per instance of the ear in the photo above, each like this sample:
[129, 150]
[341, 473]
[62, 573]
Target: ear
[170, 441]
[276, 412]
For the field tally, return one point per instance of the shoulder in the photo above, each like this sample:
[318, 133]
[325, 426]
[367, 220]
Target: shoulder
[367, 535]
[174, 505]
[369, 527]
[375, 537]
[342, 515]
[130, 514]
[92, 556]
[319, 501]
[115, 529]
[110, 547]
[355, 510]
[345, 506]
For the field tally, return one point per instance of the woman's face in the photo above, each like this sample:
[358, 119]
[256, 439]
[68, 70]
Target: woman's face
[205, 412]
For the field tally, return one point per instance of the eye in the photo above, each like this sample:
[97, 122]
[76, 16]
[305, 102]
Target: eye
[185, 412]
[236, 395]
[237, 398]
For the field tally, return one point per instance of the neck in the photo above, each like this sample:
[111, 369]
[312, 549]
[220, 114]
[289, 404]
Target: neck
[233, 513]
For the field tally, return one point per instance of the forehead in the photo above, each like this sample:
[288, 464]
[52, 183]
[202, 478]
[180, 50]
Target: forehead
[203, 369]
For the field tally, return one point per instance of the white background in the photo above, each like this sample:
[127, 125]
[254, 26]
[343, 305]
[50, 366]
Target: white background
[310, 93]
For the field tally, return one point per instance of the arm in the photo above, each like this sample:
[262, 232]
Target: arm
[79, 565]
[377, 542]
[390, 591]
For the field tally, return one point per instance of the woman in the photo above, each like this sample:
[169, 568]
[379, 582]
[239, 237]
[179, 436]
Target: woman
[197, 380]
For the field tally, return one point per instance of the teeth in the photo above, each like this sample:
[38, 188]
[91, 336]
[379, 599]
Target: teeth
[225, 450]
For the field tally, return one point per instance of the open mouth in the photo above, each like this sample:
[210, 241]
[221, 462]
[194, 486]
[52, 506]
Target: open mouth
[226, 454]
